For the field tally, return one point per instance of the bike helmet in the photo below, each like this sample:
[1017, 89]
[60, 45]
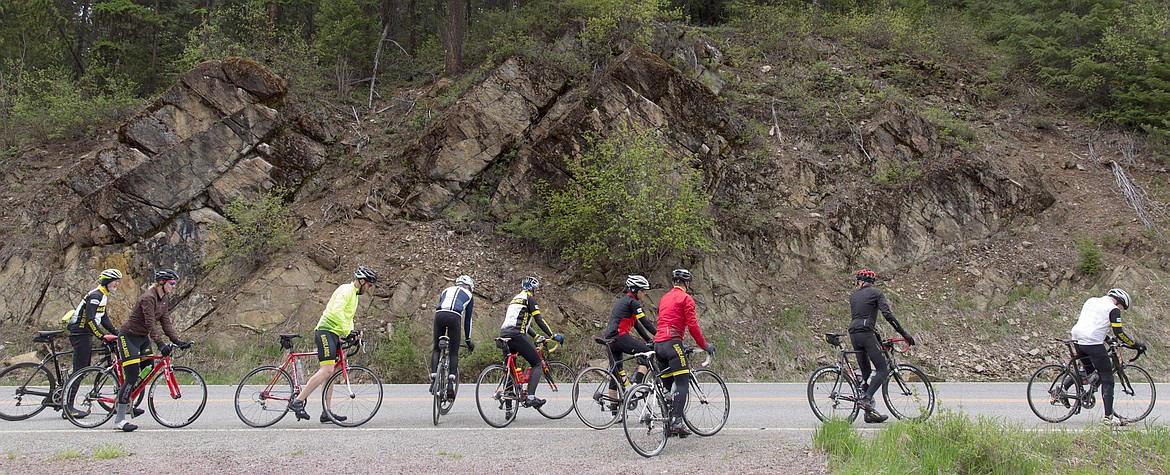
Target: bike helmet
[365, 273]
[109, 275]
[530, 282]
[165, 274]
[466, 280]
[681, 275]
[1121, 297]
[866, 275]
[635, 283]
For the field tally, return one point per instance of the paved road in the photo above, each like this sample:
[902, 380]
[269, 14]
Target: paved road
[769, 430]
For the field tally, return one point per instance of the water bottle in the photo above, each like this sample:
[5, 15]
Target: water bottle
[522, 377]
[1094, 379]
[299, 372]
[625, 379]
[144, 372]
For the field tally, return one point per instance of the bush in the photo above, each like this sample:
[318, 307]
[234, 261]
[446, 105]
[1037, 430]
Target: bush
[626, 201]
[1089, 257]
[256, 228]
[49, 105]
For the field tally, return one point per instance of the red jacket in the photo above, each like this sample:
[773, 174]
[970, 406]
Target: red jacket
[676, 314]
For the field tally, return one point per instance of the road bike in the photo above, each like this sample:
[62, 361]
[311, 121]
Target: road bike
[175, 395]
[598, 391]
[1056, 392]
[350, 398]
[500, 389]
[439, 387]
[646, 407]
[834, 390]
[28, 388]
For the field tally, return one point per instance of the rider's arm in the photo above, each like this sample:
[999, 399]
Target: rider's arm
[693, 322]
[643, 325]
[1115, 322]
[470, 308]
[884, 306]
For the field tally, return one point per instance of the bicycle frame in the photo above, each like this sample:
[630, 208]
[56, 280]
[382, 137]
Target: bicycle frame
[522, 377]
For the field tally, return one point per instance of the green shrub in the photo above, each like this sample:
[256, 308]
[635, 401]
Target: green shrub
[626, 201]
[51, 105]
[1089, 260]
[256, 228]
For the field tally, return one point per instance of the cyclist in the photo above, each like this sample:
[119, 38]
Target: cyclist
[455, 303]
[676, 315]
[1098, 314]
[626, 315]
[142, 327]
[864, 304]
[522, 310]
[86, 320]
[336, 322]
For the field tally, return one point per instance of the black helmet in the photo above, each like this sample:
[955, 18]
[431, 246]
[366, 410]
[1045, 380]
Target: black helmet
[165, 274]
[681, 275]
[365, 273]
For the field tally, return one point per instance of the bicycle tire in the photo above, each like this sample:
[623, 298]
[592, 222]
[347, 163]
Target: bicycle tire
[263, 395]
[558, 390]
[644, 420]
[354, 402]
[592, 401]
[1134, 393]
[708, 403]
[1043, 404]
[496, 396]
[832, 396]
[93, 390]
[24, 390]
[179, 405]
[439, 395]
[908, 393]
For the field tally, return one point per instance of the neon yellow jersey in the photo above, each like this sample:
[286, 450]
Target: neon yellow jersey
[339, 312]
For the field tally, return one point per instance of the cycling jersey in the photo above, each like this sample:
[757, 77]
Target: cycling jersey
[339, 312]
[457, 299]
[148, 315]
[521, 312]
[627, 314]
[92, 314]
[865, 304]
[1098, 314]
[676, 315]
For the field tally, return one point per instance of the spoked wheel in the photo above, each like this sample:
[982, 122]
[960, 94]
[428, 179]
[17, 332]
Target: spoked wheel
[496, 397]
[645, 420]
[439, 391]
[262, 396]
[1048, 397]
[92, 393]
[1133, 393]
[707, 403]
[908, 393]
[24, 390]
[179, 403]
[832, 395]
[352, 401]
[592, 398]
[557, 390]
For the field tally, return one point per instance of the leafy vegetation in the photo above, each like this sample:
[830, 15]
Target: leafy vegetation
[1089, 260]
[255, 229]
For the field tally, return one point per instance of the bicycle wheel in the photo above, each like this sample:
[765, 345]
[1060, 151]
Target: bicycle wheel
[440, 390]
[352, 402]
[496, 397]
[25, 389]
[707, 403]
[592, 400]
[1133, 393]
[1047, 397]
[557, 390]
[262, 396]
[92, 391]
[178, 404]
[908, 393]
[831, 395]
[644, 420]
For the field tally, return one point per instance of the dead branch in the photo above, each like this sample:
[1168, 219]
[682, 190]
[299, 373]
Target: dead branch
[776, 124]
[1148, 212]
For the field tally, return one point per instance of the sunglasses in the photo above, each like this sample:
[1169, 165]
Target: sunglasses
[172, 283]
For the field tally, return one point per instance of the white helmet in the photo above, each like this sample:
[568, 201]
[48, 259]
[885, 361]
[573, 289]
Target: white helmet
[1121, 296]
[635, 283]
[466, 280]
[109, 275]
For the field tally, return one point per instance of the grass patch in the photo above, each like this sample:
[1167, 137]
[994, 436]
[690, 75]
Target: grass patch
[68, 454]
[109, 451]
[953, 442]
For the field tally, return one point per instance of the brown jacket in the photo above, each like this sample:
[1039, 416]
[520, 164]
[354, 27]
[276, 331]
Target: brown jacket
[150, 309]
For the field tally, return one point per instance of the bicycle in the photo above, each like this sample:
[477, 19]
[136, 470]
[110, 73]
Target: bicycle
[442, 404]
[834, 390]
[499, 389]
[96, 387]
[263, 394]
[1050, 398]
[598, 391]
[27, 388]
[646, 407]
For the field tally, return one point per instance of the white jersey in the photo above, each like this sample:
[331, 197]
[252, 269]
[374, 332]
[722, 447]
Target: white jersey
[1094, 322]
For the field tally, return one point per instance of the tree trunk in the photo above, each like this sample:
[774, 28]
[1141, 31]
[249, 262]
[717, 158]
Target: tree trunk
[412, 5]
[456, 10]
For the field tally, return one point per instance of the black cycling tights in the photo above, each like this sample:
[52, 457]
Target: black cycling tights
[446, 323]
[520, 344]
[867, 342]
[1096, 358]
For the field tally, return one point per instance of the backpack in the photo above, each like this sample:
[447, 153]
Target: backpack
[72, 316]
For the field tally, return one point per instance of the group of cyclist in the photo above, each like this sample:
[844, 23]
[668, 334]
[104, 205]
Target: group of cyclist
[150, 320]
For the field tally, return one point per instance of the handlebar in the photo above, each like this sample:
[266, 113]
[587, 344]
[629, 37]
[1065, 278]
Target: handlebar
[355, 341]
[550, 346]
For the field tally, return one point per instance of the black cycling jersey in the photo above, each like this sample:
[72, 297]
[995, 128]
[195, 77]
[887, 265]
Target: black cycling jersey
[865, 304]
[627, 313]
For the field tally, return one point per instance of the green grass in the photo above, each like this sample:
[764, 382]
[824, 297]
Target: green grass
[110, 451]
[68, 454]
[953, 442]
